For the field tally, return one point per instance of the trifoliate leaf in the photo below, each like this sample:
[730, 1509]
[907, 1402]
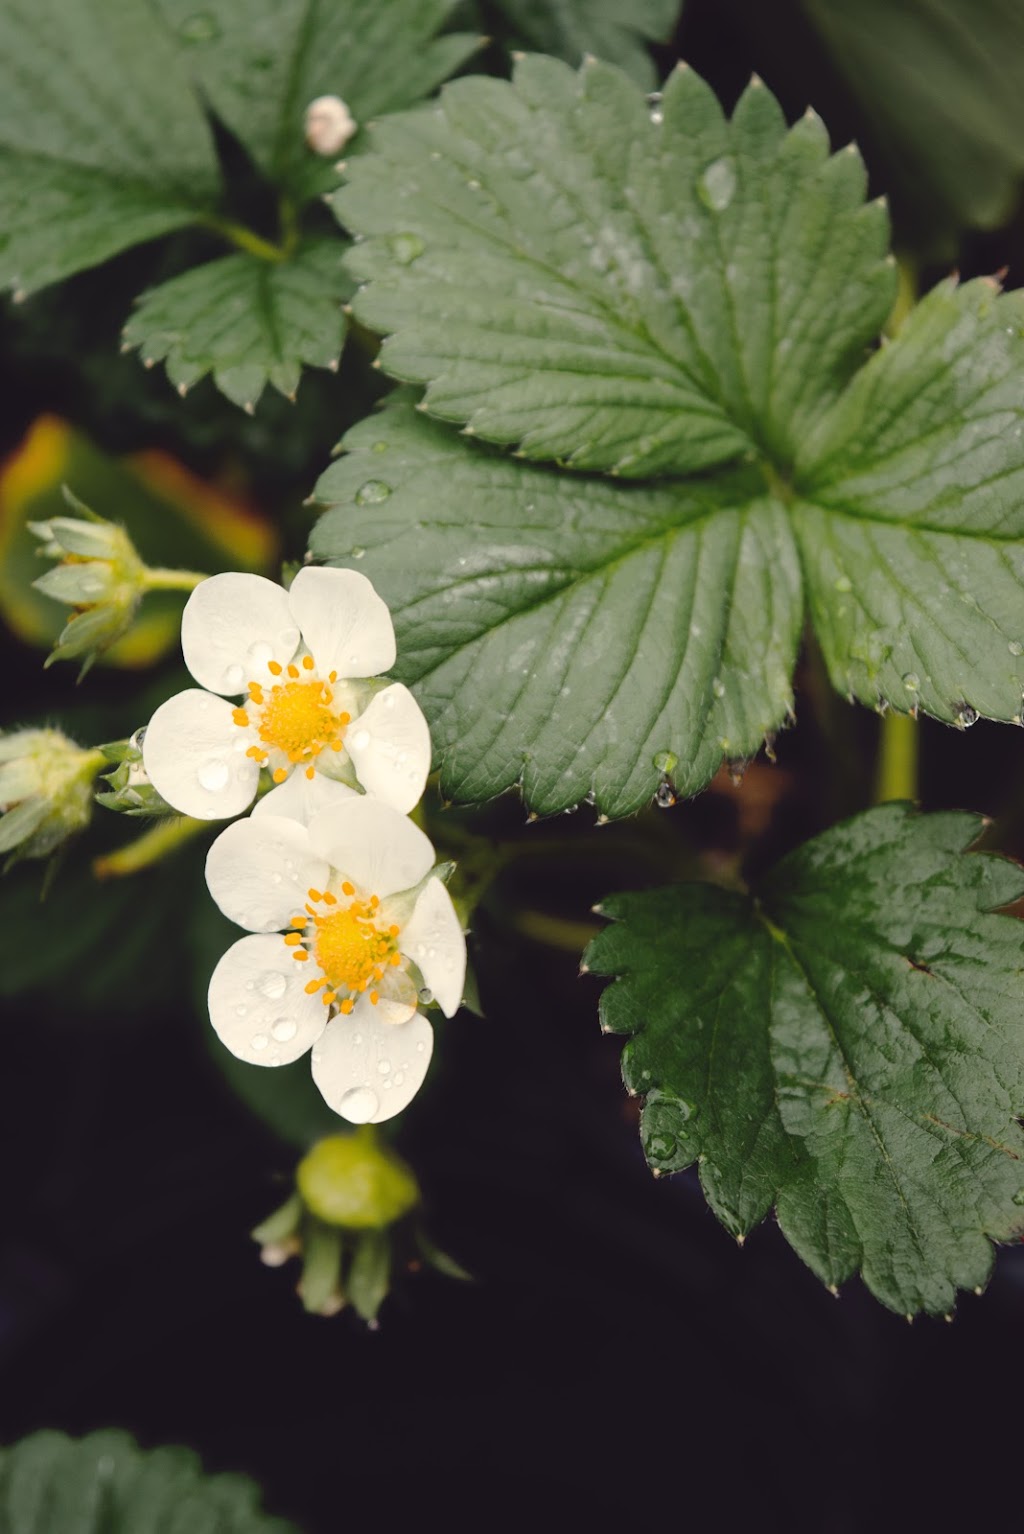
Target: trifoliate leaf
[637, 292]
[911, 526]
[846, 1046]
[106, 1484]
[248, 321]
[261, 62]
[103, 143]
[570, 29]
[941, 84]
[571, 634]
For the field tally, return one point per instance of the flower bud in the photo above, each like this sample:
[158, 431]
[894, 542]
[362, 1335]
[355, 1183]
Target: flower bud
[99, 574]
[329, 125]
[130, 791]
[45, 791]
[356, 1181]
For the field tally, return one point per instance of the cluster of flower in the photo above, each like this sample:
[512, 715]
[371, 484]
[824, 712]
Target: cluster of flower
[351, 928]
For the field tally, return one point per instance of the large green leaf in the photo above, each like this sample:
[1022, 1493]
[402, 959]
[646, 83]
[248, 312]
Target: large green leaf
[246, 320]
[105, 1484]
[570, 29]
[911, 527]
[576, 635]
[261, 62]
[624, 290]
[102, 141]
[846, 1046]
[941, 83]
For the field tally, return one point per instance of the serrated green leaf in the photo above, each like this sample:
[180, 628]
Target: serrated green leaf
[847, 1047]
[941, 84]
[247, 321]
[632, 292]
[570, 29]
[105, 1484]
[911, 526]
[563, 632]
[261, 62]
[103, 143]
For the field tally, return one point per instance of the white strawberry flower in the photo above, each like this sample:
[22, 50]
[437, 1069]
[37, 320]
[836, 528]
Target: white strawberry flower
[348, 924]
[307, 664]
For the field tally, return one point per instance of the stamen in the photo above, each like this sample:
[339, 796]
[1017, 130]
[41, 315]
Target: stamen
[292, 939]
[311, 773]
[347, 888]
[240, 716]
[274, 667]
[314, 894]
[346, 1005]
[256, 692]
[374, 998]
[280, 773]
[330, 899]
[299, 921]
[293, 671]
[307, 661]
[312, 986]
[301, 954]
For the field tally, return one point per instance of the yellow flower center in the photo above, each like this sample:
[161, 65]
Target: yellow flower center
[351, 948]
[295, 717]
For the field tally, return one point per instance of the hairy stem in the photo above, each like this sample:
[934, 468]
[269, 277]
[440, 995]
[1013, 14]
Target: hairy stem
[896, 776]
[151, 847]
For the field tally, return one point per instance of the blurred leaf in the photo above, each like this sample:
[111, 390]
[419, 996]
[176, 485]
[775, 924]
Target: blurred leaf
[105, 1484]
[103, 143]
[172, 517]
[941, 84]
[250, 322]
[845, 1046]
[369, 1273]
[261, 62]
[570, 29]
[635, 294]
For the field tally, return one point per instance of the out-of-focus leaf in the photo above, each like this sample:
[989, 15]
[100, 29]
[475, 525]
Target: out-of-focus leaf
[570, 29]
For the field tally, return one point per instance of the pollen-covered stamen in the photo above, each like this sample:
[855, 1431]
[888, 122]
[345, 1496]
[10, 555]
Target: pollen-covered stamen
[353, 949]
[295, 716]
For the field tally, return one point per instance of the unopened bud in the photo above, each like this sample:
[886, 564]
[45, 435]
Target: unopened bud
[99, 574]
[329, 125]
[45, 791]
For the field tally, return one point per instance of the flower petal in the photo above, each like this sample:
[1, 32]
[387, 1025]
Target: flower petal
[346, 625]
[258, 1004]
[369, 1070]
[434, 940]
[379, 849]
[390, 748]
[233, 624]
[300, 798]
[195, 756]
[258, 872]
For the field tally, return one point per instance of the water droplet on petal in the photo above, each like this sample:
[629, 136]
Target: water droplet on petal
[359, 741]
[260, 652]
[426, 999]
[241, 1009]
[717, 184]
[399, 1078]
[213, 775]
[284, 1029]
[272, 984]
[372, 493]
[384, 1066]
[234, 679]
[259, 1041]
[359, 1105]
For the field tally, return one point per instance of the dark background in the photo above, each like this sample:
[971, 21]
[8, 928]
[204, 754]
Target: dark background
[619, 1360]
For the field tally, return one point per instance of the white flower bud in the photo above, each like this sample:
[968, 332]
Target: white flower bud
[100, 574]
[329, 125]
[45, 791]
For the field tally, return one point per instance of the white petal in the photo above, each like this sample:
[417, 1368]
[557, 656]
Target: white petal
[433, 939]
[233, 624]
[380, 850]
[194, 753]
[369, 1070]
[390, 748]
[258, 1003]
[259, 872]
[300, 798]
[346, 625]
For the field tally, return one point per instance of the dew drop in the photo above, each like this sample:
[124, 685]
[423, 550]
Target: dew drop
[213, 775]
[426, 999]
[661, 1147]
[284, 1029]
[399, 1078]
[200, 27]
[140, 735]
[241, 1009]
[259, 1041]
[420, 1048]
[966, 716]
[718, 687]
[272, 984]
[275, 877]
[360, 740]
[717, 183]
[843, 583]
[665, 796]
[406, 247]
[1018, 1197]
[912, 681]
[1015, 647]
[666, 761]
[384, 1066]
[260, 652]
[359, 1105]
[372, 493]
[234, 677]
[357, 1038]
[379, 447]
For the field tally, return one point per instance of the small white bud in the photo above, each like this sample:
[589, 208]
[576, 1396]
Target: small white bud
[329, 125]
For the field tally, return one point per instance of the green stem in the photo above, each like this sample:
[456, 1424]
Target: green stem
[151, 847]
[172, 580]
[896, 777]
[238, 235]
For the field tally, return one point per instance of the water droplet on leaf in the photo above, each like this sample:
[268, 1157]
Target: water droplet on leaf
[200, 27]
[406, 247]
[666, 761]
[372, 493]
[717, 184]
